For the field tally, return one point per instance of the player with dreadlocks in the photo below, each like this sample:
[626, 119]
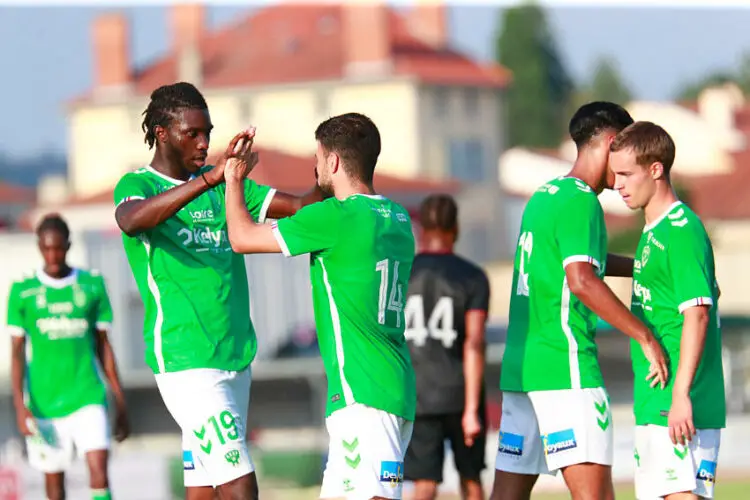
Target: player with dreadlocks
[60, 400]
[197, 329]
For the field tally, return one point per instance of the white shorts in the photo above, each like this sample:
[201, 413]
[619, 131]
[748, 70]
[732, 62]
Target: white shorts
[365, 454]
[662, 468]
[52, 447]
[544, 431]
[210, 406]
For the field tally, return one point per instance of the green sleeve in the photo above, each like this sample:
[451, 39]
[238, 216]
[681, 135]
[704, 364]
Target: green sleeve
[689, 255]
[258, 199]
[314, 228]
[580, 231]
[103, 307]
[132, 186]
[16, 316]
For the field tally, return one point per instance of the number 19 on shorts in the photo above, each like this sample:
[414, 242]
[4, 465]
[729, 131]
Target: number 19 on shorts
[391, 297]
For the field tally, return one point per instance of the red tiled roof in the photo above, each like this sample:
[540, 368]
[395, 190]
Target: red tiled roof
[10, 193]
[295, 174]
[302, 43]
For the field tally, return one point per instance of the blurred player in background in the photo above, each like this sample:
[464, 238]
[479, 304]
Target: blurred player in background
[63, 315]
[678, 430]
[361, 250]
[446, 312]
[555, 409]
[197, 329]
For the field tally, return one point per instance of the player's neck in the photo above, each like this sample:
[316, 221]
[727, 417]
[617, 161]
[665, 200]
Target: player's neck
[587, 171]
[164, 165]
[63, 272]
[663, 198]
[344, 191]
[437, 243]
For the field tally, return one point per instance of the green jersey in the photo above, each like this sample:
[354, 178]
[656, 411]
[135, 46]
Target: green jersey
[550, 343]
[59, 318]
[194, 288]
[673, 271]
[361, 253]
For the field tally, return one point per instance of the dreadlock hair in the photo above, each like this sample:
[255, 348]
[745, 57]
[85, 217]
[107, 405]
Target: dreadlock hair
[53, 222]
[165, 101]
[439, 211]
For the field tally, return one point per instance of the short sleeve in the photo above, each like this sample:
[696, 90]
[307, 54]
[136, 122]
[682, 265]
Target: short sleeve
[479, 295]
[132, 187]
[580, 231]
[313, 228]
[258, 198]
[689, 255]
[16, 316]
[103, 307]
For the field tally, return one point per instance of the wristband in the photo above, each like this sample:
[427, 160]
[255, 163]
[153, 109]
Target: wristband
[206, 180]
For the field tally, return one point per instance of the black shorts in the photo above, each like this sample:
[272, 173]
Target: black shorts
[426, 453]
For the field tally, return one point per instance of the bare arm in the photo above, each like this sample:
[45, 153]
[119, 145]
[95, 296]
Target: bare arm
[106, 356]
[474, 350]
[286, 205]
[136, 216]
[597, 296]
[246, 236]
[17, 371]
[694, 328]
[619, 266]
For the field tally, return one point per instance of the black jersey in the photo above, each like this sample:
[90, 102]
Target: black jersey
[442, 288]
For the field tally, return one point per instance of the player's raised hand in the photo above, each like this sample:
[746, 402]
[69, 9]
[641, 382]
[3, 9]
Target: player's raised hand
[239, 144]
[658, 372]
[680, 420]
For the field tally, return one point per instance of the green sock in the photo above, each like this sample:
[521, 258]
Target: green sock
[101, 494]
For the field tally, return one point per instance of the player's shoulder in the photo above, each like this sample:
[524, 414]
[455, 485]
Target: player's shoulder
[684, 225]
[562, 190]
[142, 174]
[93, 274]
[25, 279]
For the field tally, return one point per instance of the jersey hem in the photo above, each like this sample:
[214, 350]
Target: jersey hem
[581, 258]
[201, 367]
[711, 426]
[698, 301]
[398, 413]
[543, 389]
[52, 415]
[266, 204]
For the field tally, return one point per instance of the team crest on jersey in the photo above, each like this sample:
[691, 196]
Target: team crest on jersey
[79, 297]
[645, 255]
[41, 299]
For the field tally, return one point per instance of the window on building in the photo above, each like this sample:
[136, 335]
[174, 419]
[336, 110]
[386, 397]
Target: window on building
[467, 159]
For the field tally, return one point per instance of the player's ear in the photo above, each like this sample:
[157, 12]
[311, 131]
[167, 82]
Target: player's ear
[656, 170]
[160, 133]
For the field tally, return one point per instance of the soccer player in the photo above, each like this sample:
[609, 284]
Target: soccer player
[197, 329]
[63, 315]
[361, 250]
[446, 312]
[678, 430]
[555, 409]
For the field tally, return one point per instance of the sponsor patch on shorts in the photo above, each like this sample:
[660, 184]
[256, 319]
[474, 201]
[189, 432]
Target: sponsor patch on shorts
[559, 441]
[706, 471]
[392, 472]
[511, 444]
[187, 460]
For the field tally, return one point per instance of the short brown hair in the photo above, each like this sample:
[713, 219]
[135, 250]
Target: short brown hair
[649, 142]
[356, 139]
[438, 211]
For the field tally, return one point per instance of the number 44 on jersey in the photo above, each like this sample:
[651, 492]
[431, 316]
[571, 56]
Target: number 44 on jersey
[439, 325]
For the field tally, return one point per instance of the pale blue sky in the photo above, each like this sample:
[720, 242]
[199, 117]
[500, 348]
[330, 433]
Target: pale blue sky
[45, 54]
